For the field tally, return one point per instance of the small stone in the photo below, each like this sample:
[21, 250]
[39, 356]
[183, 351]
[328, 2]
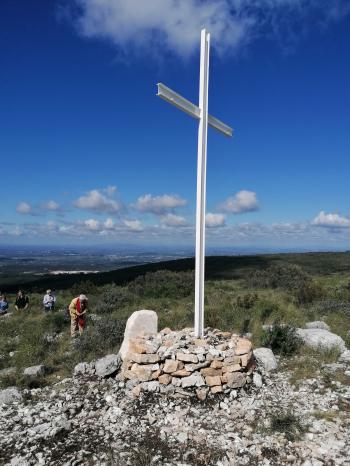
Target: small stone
[136, 391]
[213, 380]
[192, 380]
[164, 379]
[215, 364]
[171, 365]
[257, 380]
[243, 346]
[233, 368]
[216, 389]
[199, 342]
[144, 358]
[143, 374]
[245, 359]
[209, 371]
[231, 360]
[202, 393]
[236, 380]
[165, 331]
[36, 371]
[181, 373]
[187, 357]
[108, 365]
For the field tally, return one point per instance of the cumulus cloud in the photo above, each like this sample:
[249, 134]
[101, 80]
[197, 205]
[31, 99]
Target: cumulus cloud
[243, 201]
[215, 220]
[331, 220]
[109, 224]
[92, 224]
[96, 201]
[160, 26]
[50, 206]
[133, 225]
[172, 220]
[24, 208]
[159, 205]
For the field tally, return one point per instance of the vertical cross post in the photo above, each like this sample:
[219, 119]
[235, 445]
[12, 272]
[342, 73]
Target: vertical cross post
[201, 184]
[199, 113]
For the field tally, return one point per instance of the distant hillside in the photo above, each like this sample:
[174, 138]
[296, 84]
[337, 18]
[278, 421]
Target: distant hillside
[217, 267]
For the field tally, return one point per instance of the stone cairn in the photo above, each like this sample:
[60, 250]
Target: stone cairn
[176, 361]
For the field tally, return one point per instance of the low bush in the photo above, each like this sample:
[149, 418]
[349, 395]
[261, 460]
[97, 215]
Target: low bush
[100, 337]
[287, 423]
[113, 298]
[282, 339]
[286, 276]
[163, 284]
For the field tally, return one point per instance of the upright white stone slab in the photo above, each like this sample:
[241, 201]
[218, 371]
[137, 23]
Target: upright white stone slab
[142, 322]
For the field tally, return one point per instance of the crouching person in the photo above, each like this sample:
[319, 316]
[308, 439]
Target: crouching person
[49, 301]
[77, 311]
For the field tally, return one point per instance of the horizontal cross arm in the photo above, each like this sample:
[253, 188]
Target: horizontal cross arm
[193, 110]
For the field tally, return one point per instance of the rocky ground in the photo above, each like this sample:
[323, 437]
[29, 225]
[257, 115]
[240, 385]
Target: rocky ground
[86, 420]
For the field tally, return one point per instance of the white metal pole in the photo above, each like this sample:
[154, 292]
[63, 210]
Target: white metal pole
[201, 184]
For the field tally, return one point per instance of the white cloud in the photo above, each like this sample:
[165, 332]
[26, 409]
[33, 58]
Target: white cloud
[50, 205]
[215, 220]
[109, 224]
[95, 201]
[92, 224]
[159, 205]
[133, 225]
[331, 220]
[24, 208]
[243, 201]
[172, 220]
[160, 26]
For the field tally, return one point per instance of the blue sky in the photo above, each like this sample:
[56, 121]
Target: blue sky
[90, 154]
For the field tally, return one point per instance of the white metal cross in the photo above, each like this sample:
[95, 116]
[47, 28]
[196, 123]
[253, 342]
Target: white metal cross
[200, 113]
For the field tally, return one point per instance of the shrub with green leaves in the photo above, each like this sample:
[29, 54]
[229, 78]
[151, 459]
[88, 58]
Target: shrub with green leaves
[163, 284]
[282, 339]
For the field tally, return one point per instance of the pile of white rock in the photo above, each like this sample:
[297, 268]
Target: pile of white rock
[178, 361]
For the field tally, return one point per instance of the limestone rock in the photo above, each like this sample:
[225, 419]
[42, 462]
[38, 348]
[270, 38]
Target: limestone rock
[36, 371]
[10, 395]
[164, 379]
[318, 338]
[108, 365]
[187, 357]
[345, 356]
[171, 365]
[144, 358]
[265, 358]
[243, 346]
[318, 324]
[236, 380]
[84, 368]
[139, 323]
[211, 381]
[192, 380]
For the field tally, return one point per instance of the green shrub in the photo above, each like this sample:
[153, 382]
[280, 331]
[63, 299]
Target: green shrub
[287, 423]
[247, 301]
[163, 284]
[113, 298]
[282, 339]
[100, 337]
[285, 276]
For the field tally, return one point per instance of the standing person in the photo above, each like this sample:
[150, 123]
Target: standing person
[22, 301]
[77, 311]
[4, 305]
[49, 301]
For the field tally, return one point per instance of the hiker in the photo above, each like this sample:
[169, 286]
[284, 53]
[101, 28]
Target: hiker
[49, 301]
[22, 301]
[4, 305]
[77, 311]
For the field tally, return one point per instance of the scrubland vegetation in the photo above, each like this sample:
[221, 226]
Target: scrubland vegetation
[244, 302]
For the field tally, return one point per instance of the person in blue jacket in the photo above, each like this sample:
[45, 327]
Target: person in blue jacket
[3, 304]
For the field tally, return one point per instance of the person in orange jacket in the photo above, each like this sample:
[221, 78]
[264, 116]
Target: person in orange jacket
[77, 311]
